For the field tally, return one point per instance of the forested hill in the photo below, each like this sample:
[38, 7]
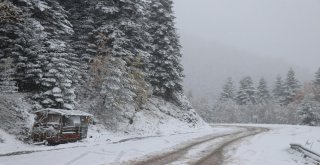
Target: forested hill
[103, 56]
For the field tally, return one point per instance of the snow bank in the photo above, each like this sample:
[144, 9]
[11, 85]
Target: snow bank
[162, 118]
[158, 118]
[99, 151]
[14, 115]
[273, 147]
[9, 143]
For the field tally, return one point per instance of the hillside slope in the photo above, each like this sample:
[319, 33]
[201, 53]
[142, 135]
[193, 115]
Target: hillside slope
[118, 60]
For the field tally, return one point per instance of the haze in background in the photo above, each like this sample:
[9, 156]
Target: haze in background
[228, 38]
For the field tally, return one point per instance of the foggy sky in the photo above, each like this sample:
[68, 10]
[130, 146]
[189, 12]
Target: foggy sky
[235, 38]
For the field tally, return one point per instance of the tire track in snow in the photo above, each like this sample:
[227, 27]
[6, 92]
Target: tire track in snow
[214, 157]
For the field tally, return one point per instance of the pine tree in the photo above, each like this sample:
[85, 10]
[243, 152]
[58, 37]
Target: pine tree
[123, 22]
[290, 88]
[59, 79]
[278, 90]
[7, 71]
[316, 84]
[29, 62]
[309, 112]
[13, 37]
[317, 78]
[246, 93]
[262, 95]
[37, 40]
[110, 71]
[50, 42]
[140, 86]
[57, 67]
[113, 86]
[164, 63]
[83, 15]
[228, 91]
[10, 22]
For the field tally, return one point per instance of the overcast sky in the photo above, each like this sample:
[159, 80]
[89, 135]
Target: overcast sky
[234, 38]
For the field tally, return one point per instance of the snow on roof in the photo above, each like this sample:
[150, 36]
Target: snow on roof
[65, 112]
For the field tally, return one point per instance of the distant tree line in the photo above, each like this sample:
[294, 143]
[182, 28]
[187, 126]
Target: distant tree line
[287, 102]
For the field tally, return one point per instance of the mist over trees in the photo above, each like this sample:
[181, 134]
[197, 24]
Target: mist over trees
[285, 101]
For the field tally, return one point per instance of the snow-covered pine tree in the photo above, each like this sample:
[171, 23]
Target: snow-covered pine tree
[290, 87]
[24, 33]
[165, 70]
[246, 93]
[7, 71]
[110, 84]
[84, 16]
[40, 50]
[124, 22]
[316, 84]
[140, 86]
[317, 78]
[110, 80]
[57, 75]
[262, 94]
[13, 36]
[46, 40]
[117, 85]
[278, 90]
[123, 25]
[309, 111]
[18, 40]
[58, 82]
[10, 23]
[203, 108]
[228, 91]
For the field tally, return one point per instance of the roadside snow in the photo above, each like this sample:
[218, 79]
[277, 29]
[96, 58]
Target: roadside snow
[8, 143]
[269, 148]
[161, 117]
[158, 126]
[107, 149]
[273, 147]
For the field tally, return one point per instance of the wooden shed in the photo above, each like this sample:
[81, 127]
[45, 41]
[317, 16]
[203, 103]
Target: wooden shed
[59, 126]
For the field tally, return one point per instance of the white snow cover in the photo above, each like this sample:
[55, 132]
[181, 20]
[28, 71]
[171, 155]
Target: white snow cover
[161, 125]
[56, 89]
[269, 148]
[102, 148]
[42, 6]
[161, 117]
[273, 147]
[8, 143]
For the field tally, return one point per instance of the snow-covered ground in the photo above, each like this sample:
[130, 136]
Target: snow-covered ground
[273, 147]
[8, 143]
[101, 149]
[267, 148]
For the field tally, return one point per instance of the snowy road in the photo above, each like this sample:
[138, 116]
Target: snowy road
[105, 152]
[220, 144]
[217, 154]
[205, 151]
